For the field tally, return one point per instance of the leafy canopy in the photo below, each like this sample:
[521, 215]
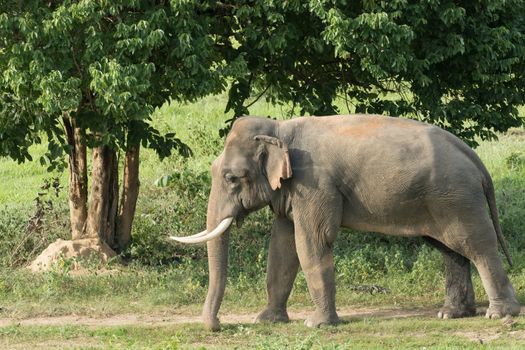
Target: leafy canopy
[109, 64]
[457, 64]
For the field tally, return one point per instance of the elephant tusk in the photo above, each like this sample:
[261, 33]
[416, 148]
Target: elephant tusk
[204, 237]
[200, 234]
[186, 238]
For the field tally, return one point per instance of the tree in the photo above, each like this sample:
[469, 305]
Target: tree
[87, 75]
[457, 64]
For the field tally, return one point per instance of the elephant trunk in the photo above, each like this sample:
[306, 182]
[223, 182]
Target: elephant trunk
[217, 267]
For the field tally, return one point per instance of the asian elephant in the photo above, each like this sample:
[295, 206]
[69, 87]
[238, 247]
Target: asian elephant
[364, 172]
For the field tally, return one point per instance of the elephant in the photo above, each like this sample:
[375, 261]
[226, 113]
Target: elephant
[371, 173]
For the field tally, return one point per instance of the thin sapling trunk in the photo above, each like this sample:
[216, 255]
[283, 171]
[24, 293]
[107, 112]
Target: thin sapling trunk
[78, 182]
[130, 192]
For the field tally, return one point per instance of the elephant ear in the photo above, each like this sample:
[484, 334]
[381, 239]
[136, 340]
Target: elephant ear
[276, 164]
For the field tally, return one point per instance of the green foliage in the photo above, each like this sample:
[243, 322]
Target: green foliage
[515, 161]
[11, 224]
[504, 161]
[185, 196]
[108, 65]
[60, 291]
[457, 64]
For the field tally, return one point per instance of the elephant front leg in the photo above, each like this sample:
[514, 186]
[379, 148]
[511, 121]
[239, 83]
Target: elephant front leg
[315, 255]
[283, 264]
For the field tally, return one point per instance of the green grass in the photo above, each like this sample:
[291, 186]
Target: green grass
[20, 183]
[179, 289]
[355, 333]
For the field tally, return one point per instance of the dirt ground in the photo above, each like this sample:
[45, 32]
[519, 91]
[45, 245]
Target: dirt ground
[171, 318]
[174, 318]
[168, 318]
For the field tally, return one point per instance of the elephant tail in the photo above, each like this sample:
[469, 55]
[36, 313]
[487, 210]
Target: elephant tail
[488, 187]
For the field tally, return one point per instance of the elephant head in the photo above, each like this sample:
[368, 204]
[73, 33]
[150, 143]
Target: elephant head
[245, 177]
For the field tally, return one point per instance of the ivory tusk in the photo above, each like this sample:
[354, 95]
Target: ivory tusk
[197, 235]
[205, 236]
[200, 234]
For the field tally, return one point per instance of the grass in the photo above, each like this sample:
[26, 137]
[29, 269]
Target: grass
[178, 289]
[356, 333]
[21, 182]
[164, 278]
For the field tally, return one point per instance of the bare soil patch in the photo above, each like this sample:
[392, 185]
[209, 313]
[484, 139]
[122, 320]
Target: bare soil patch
[346, 314]
[173, 318]
[74, 343]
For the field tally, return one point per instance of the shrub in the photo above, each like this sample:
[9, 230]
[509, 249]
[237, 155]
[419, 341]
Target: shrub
[175, 206]
[26, 232]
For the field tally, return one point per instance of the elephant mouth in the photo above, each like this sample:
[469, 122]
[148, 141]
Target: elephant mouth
[241, 215]
[239, 221]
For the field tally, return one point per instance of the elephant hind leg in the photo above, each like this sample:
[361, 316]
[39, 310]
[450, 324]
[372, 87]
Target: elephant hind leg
[477, 242]
[459, 299]
[502, 297]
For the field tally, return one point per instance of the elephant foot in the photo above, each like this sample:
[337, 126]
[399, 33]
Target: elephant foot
[502, 309]
[212, 323]
[318, 319]
[448, 312]
[272, 315]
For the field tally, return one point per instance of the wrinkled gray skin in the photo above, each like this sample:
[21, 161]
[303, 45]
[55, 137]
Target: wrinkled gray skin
[368, 173]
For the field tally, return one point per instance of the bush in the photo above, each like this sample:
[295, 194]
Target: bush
[175, 206]
[26, 232]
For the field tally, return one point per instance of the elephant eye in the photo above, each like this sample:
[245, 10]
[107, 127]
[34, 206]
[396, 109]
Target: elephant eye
[230, 178]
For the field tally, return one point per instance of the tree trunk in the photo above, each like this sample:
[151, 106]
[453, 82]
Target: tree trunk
[102, 194]
[100, 219]
[78, 183]
[113, 204]
[130, 192]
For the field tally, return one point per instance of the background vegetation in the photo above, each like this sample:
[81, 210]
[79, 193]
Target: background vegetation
[159, 276]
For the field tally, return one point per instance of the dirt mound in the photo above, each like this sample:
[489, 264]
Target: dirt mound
[77, 251]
